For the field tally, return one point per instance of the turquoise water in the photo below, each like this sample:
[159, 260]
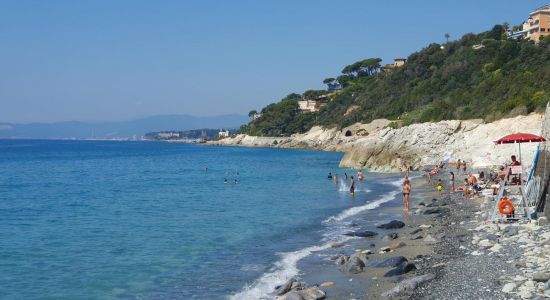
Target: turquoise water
[144, 220]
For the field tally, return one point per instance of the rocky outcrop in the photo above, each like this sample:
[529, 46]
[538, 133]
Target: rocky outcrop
[377, 147]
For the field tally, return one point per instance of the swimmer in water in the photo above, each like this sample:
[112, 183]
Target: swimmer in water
[352, 186]
[360, 175]
[225, 180]
[329, 175]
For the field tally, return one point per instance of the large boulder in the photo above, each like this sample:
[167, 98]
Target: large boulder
[354, 265]
[361, 233]
[285, 288]
[294, 295]
[392, 225]
[408, 285]
[403, 268]
[390, 262]
[313, 293]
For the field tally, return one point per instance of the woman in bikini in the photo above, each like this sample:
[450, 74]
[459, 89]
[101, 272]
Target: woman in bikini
[406, 192]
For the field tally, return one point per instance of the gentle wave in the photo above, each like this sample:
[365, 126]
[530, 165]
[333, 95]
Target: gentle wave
[284, 269]
[357, 209]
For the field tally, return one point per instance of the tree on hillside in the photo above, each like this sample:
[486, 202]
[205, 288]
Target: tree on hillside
[366, 67]
[344, 80]
[252, 113]
[329, 80]
[447, 36]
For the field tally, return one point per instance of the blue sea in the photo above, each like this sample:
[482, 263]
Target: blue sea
[152, 220]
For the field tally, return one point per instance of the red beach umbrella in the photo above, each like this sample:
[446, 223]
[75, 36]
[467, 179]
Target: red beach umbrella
[520, 138]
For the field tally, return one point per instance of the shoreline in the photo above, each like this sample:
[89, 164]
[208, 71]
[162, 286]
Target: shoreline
[455, 250]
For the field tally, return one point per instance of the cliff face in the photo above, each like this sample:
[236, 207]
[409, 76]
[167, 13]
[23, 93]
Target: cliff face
[376, 147]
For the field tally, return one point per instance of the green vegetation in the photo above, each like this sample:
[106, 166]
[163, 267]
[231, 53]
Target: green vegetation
[478, 76]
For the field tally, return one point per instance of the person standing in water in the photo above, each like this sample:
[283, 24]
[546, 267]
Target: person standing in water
[352, 186]
[345, 176]
[406, 192]
[360, 175]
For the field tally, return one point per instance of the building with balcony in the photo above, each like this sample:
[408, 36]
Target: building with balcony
[536, 26]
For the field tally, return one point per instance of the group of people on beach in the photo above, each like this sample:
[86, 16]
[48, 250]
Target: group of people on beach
[472, 183]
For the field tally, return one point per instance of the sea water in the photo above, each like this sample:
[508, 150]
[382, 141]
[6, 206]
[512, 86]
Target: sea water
[150, 220]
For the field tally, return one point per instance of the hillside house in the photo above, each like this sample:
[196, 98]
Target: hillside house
[312, 105]
[397, 62]
[536, 26]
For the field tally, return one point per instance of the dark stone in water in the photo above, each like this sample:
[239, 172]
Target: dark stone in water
[373, 245]
[432, 205]
[391, 236]
[354, 225]
[285, 288]
[403, 268]
[392, 225]
[421, 204]
[390, 262]
[417, 238]
[361, 233]
[416, 231]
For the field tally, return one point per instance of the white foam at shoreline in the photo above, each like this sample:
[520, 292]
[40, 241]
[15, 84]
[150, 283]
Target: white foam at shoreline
[357, 209]
[371, 205]
[286, 267]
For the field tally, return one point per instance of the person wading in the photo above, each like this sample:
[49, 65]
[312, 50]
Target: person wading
[352, 186]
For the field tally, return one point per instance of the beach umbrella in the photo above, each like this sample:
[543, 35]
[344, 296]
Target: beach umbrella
[520, 138]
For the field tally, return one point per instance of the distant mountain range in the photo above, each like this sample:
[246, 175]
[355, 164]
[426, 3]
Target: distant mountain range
[122, 129]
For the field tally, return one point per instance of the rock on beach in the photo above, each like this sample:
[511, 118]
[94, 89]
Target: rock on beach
[392, 225]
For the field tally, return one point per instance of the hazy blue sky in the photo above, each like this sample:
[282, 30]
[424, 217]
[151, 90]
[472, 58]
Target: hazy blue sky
[117, 60]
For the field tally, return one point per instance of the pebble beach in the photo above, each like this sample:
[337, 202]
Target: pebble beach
[444, 248]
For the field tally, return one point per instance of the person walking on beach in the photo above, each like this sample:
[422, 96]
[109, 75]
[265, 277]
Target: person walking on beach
[406, 192]
[352, 186]
[452, 183]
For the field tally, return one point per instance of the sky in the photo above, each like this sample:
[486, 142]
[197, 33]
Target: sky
[106, 60]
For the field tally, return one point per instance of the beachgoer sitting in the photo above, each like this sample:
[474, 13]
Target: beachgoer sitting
[473, 183]
[466, 189]
[515, 162]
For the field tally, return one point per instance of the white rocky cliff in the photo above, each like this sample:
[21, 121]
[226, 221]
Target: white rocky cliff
[376, 147]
